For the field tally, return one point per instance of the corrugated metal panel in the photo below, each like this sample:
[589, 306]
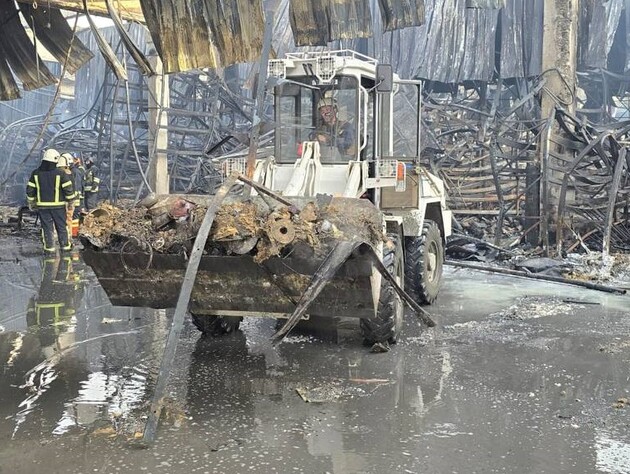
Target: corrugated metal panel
[350, 19]
[8, 88]
[52, 30]
[446, 34]
[88, 79]
[141, 60]
[180, 33]
[309, 22]
[397, 14]
[477, 63]
[20, 52]
[317, 22]
[521, 38]
[237, 28]
[485, 4]
[602, 18]
[208, 34]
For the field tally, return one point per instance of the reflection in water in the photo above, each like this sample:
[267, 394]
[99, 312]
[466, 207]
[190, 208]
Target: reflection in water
[51, 314]
[70, 368]
[252, 390]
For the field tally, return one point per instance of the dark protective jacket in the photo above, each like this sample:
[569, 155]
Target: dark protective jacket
[78, 177]
[49, 187]
[92, 181]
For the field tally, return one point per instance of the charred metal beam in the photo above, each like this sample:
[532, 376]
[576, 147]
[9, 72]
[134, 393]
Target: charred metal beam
[105, 49]
[140, 59]
[181, 309]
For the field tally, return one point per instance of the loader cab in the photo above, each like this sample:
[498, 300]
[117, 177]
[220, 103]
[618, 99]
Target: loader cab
[300, 105]
[375, 128]
[382, 111]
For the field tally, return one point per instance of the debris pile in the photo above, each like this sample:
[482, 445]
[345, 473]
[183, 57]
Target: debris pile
[169, 224]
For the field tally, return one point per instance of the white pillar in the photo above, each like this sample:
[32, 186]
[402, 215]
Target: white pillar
[159, 101]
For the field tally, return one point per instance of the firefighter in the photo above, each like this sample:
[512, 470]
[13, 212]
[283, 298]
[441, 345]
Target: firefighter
[54, 306]
[90, 184]
[50, 191]
[65, 163]
[78, 178]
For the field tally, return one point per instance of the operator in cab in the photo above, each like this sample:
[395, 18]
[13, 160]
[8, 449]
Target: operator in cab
[333, 132]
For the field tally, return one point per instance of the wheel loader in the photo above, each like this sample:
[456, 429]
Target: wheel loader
[345, 168]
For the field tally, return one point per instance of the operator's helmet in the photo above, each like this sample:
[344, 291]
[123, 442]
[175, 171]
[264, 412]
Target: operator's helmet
[51, 155]
[326, 101]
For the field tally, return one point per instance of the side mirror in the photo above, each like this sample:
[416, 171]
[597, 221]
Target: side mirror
[384, 78]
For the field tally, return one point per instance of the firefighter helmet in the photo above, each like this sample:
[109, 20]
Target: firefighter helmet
[51, 155]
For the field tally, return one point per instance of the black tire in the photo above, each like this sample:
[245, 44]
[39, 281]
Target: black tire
[424, 261]
[215, 326]
[387, 324]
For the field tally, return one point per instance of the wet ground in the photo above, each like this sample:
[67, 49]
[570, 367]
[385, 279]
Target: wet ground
[519, 376]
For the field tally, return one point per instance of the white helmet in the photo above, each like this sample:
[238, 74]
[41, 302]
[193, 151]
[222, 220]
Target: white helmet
[62, 162]
[66, 159]
[326, 101]
[51, 155]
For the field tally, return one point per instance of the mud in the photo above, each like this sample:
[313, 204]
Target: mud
[513, 379]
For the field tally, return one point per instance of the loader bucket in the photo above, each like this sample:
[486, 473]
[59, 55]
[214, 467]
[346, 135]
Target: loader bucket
[245, 285]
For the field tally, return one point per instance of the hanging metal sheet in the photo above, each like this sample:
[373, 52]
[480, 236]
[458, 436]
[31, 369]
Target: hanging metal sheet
[54, 33]
[461, 43]
[19, 50]
[602, 18]
[485, 4]
[8, 87]
[398, 14]
[521, 38]
[477, 63]
[350, 19]
[309, 22]
[237, 28]
[317, 22]
[180, 33]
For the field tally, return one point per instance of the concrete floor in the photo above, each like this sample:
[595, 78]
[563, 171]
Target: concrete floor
[518, 377]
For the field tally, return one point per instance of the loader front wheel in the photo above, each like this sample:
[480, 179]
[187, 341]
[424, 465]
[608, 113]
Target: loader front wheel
[387, 324]
[424, 259]
[215, 326]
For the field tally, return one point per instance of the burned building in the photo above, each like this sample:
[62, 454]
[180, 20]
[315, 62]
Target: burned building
[525, 103]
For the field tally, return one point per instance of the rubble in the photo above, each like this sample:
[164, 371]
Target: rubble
[170, 223]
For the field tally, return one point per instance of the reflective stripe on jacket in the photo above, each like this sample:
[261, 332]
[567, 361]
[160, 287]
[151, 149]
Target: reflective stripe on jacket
[91, 181]
[49, 188]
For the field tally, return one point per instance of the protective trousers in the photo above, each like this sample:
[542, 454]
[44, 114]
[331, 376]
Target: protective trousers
[90, 200]
[54, 219]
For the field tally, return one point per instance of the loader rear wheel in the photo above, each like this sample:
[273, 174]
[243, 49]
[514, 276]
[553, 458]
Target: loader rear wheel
[215, 326]
[387, 324]
[424, 259]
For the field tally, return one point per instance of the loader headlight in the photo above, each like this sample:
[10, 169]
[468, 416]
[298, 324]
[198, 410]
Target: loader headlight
[277, 68]
[325, 68]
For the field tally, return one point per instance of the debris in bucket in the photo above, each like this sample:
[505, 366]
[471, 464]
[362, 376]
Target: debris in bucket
[380, 347]
[169, 224]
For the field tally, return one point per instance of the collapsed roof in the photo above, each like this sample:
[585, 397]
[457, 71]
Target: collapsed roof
[448, 41]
